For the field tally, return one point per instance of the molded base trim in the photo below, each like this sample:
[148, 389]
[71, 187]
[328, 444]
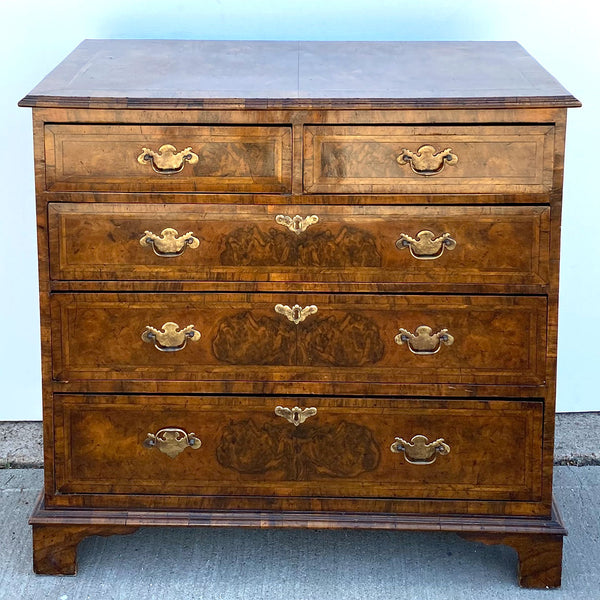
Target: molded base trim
[538, 542]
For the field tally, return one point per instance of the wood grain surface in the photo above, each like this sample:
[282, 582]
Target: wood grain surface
[538, 543]
[494, 245]
[105, 157]
[233, 74]
[342, 451]
[363, 159]
[498, 339]
[540, 556]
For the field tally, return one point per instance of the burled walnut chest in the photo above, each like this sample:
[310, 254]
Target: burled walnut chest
[299, 284]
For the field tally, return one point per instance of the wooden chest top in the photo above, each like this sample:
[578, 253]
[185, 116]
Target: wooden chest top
[150, 73]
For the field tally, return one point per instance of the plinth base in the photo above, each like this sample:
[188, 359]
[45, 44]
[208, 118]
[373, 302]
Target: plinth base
[538, 542]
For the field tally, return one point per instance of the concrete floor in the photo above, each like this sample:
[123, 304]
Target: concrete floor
[227, 564]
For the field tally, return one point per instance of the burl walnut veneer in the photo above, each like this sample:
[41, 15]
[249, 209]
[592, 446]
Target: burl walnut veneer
[299, 284]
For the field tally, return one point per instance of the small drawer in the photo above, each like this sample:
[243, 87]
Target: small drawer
[333, 447]
[305, 337]
[438, 245]
[168, 158]
[486, 159]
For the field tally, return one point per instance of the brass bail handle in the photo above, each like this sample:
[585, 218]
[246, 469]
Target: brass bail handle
[170, 338]
[424, 341]
[426, 161]
[169, 243]
[172, 441]
[167, 161]
[426, 246]
[419, 451]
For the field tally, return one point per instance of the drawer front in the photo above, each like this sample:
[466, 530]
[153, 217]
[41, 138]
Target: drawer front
[496, 245]
[167, 158]
[284, 337]
[428, 159]
[487, 450]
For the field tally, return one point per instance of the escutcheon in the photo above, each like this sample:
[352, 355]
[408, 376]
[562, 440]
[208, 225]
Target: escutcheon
[295, 415]
[169, 243]
[167, 161]
[426, 161]
[172, 441]
[296, 224]
[424, 341]
[426, 246]
[170, 338]
[296, 314]
[419, 451]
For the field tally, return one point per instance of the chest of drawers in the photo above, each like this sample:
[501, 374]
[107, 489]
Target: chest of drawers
[299, 285]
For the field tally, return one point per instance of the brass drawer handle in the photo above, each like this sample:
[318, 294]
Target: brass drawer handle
[296, 314]
[426, 246]
[171, 243]
[167, 161]
[424, 341]
[296, 224]
[172, 441]
[295, 415]
[419, 451]
[426, 161]
[171, 338]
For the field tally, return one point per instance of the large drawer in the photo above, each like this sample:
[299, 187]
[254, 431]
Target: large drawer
[486, 450]
[500, 245]
[168, 158]
[428, 159]
[304, 337]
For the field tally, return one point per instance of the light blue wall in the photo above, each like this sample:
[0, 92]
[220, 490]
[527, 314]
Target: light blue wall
[37, 34]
